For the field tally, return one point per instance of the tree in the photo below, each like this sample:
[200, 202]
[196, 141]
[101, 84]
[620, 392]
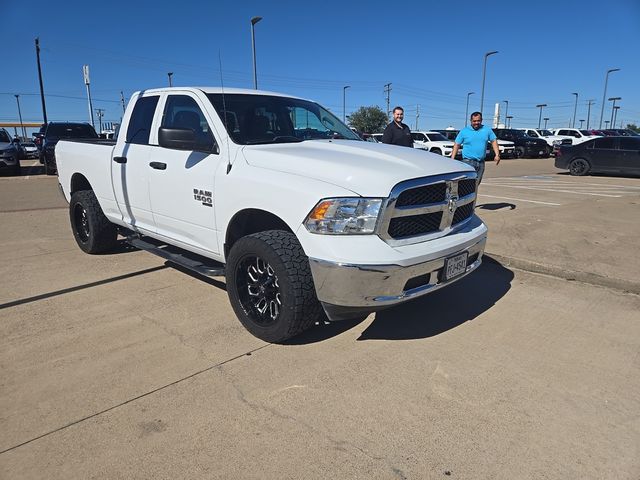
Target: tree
[634, 127]
[368, 119]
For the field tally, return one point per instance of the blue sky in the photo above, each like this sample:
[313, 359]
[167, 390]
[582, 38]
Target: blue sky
[431, 53]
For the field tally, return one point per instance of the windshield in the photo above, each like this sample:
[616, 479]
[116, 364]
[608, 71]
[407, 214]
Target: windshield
[585, 132]
[71, 130]
[545, 133]
[519, 133]
[437, 137]
[260, 119]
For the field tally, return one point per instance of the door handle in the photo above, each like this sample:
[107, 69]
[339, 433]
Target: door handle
[158, 165]
[120, 159]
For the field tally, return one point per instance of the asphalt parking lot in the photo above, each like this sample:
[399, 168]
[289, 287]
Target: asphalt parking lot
[118, 366]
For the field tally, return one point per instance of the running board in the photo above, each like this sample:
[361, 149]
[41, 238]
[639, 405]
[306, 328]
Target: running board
[214, 270]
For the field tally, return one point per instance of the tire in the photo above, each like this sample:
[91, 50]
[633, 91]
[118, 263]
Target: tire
[270, 286]
[48, 169]
[579, 167]
[436, 150]
[91, 229]
[519, 152]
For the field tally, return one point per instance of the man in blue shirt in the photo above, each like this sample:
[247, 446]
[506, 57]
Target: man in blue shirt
[474, 140]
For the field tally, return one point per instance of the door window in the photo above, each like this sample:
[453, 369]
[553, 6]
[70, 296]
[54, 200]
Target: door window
[627, 143]
[141, 118]
[182, 111]
[605, 143]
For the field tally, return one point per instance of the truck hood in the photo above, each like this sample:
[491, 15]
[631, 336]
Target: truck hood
[368, 169]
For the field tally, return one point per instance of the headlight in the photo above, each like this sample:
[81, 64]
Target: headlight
[557, 142]
[344, 216]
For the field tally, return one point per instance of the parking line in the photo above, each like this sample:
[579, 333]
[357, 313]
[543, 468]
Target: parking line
[521, 200]
[553, 190]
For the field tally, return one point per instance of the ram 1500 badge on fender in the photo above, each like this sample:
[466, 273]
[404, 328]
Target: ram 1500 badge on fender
[280, 197]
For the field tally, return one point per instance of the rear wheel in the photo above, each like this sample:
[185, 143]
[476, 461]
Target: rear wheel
[519, 151]
[48, 168]
[579, 167]
[270, 285]
[91, 229]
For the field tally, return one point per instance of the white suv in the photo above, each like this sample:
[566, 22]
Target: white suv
[574, 134]
[433, 142]
[546, 135]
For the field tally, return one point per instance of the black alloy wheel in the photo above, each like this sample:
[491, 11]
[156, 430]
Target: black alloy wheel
[258, 290]
[81, 222]
[579, 167]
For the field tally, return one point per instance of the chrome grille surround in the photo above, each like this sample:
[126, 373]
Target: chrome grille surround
[448, 205]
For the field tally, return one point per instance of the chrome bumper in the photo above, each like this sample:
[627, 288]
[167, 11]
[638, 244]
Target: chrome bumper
[378, 286]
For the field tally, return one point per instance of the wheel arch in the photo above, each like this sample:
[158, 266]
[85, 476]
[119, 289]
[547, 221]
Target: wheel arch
[79, 182]
[249, 221]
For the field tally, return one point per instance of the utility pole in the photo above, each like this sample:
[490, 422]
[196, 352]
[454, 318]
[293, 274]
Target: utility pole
[122, 100]
[387, 89]
[575, 109]
[44, 107]
[546, 119]
[100, 113]
[85, 74]
[24, 132]
[417, 115]
[591, 102]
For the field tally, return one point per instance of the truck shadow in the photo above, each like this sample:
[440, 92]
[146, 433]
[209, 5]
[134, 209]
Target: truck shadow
[430, 315]
[496, 206]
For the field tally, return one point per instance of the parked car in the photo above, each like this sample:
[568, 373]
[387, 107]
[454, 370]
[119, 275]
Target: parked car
[38, 137]
[367, 137]
[507, 149]
[601, 155]
[56, 131]
[377, 137]
[525, 146]
[9, 154]
[574, 134]
[29, 150]
[433, 142]
[546, 135]
[449, 134]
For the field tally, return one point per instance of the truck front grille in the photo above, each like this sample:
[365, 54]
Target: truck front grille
[430, 207]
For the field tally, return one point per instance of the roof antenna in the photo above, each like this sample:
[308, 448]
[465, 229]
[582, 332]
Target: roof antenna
[224, 114]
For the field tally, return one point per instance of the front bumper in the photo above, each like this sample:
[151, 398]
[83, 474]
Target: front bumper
[372, 287]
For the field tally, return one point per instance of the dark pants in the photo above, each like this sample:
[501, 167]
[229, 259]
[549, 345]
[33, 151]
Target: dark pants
[479, 167]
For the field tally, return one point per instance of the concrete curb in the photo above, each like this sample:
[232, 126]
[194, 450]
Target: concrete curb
[626, 286]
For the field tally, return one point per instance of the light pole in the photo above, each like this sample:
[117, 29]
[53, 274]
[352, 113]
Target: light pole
[509, 117]
[484, 72]
[344, 102]
[615, 115]
[100, 114]
[575, 109]
[591, 102]
[506, 113]
[254, 20]
[85, 74]
[613, 107]
[604, 95]
[581, 122]
[546, 119]
[466, 112]
[540, 106]
[170, 74]
[606, 124]
[24, 132]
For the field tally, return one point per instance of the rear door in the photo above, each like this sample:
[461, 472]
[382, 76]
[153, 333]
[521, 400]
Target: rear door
[630, 153]
[605, 157]
[182, 181]
[130, 166]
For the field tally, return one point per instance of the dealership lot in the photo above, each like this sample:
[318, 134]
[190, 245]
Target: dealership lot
[117, 366]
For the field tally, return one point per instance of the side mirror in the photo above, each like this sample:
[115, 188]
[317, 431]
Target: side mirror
[184, 139]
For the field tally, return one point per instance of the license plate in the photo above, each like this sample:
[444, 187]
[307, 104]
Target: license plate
[456, 265]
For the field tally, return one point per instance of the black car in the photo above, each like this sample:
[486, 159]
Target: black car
[601, 155]
[525, 146]
[56, 131]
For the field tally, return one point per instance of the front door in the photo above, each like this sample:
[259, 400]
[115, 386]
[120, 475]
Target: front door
[630, 153]
[182, 181]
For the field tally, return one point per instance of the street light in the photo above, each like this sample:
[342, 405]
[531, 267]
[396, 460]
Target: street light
[484, 71]
[466, 112]
[344, 96]
[613, 108]
[509, 117]
[170, 74]
[254, 20]
[615, 115]
[575, 109]
[546, 119]
[506, 112]
[540, 106]
[581, 122]
[604, 95]
[24, 132]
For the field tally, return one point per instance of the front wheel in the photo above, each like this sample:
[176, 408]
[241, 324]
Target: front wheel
[270, 285]
[579, 167]
[519, 151]
[436, 150]
[93, 232]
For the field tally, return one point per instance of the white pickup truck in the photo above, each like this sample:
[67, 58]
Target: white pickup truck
[280, 197]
